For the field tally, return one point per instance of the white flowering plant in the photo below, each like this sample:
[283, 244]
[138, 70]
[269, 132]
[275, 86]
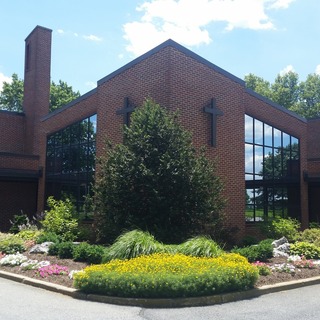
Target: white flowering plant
[283, 267]
[34, 264]
[13, 259]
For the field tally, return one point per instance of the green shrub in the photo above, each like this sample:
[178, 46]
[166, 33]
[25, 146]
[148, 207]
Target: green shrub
[48, 237]
[11, 245]
[249, 241]
[306, 249]
[5, 236]
[53, 249]
[310, 235]
[165, 275]
[200, 247]
[260, 252]
[314, 225]
[88, 253]
[317, 242]
[59, 219]
[18, 220]
[65, 250]
[263, 268]
[281, 227]
[86, 233]
[132, 244]
[29, 234]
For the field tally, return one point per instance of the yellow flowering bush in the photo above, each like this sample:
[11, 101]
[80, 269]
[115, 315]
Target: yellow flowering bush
[164, 275]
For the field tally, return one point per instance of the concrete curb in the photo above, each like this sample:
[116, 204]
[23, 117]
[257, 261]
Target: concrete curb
[163, 303]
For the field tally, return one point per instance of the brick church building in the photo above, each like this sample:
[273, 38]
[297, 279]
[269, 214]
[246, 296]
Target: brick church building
[267, 157]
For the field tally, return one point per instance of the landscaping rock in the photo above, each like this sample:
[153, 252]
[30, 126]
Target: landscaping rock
[279, 242]
[279, 253]
[41, 248]
[281, 247]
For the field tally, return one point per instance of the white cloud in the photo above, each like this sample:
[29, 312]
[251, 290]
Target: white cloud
[4, 78]
[91, 84]
[280, 4]
[287, 69]
[318, 69]
[92, 37]
[187, 21]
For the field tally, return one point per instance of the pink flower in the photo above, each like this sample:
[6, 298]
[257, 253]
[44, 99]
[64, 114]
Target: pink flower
[52, 270]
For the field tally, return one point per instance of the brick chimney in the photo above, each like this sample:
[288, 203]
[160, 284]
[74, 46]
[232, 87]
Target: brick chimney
[36, 84]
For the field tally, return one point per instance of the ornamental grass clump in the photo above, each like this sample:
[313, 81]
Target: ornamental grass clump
[200, 247]
[163, 275]
[131, 245]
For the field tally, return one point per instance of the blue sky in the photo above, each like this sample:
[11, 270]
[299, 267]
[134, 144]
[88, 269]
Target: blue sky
[94, 38]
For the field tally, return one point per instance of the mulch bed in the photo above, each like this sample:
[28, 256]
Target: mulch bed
[275, 277]
[63, 280]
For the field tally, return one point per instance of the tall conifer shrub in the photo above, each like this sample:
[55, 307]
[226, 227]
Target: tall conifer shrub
[156, 181]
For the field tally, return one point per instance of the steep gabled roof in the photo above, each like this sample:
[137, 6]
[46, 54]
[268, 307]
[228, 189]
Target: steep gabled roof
[182, 49]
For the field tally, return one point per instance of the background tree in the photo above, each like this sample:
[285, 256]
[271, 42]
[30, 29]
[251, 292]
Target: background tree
[61, 94]
[301, 97]
[11, 96]
[156, 181]
[258, 85]
[309, 102]
[285, 89]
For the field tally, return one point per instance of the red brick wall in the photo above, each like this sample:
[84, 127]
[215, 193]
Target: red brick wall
[314, 139]
[12, 132]
[19, 161]
[314, 147]
[193, 84]
[36, 84]
[179, 82]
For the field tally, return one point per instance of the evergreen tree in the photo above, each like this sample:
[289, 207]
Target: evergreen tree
[156, 181]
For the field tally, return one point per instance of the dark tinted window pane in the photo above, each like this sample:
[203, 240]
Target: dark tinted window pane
[248, 129]
[268, 136]
[70, 162]
[272, 166]
[258, 132]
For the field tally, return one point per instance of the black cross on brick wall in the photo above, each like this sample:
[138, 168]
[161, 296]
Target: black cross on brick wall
[214, 112]
[126, 110]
